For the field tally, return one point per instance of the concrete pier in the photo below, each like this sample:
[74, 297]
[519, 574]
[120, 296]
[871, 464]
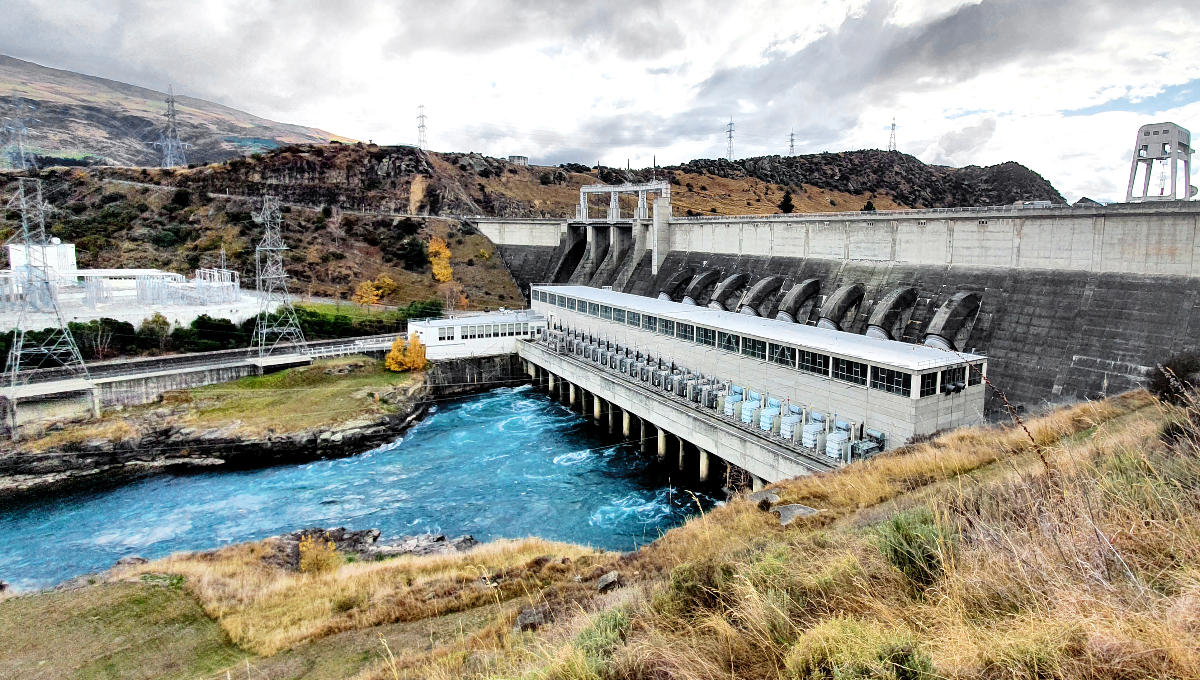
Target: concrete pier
[703, 465]
[662, 445]
[625, 423]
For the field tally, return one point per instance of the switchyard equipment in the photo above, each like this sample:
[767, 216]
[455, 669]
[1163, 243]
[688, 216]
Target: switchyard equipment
[823, 384]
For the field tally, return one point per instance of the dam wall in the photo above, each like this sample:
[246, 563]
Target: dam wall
[1068, 303]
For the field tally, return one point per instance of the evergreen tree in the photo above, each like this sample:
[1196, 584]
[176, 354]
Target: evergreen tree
[786, 204]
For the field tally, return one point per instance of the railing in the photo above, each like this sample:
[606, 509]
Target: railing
[374, 343]
[805, 454]
[912, 212]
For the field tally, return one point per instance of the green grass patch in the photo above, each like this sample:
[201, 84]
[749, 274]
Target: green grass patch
[325, 393]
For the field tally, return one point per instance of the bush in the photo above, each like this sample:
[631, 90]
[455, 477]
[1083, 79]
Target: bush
[849, 649]
[917, 545]
[182, 198]
[1175, 378]
[317, 557]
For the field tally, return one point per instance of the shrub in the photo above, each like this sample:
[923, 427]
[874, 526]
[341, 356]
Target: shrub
[317, 557]
[695, 586]
[849, 649]
[182, 198]
[1174, 378]
[607, 630]
[786, 205]
[914, 542]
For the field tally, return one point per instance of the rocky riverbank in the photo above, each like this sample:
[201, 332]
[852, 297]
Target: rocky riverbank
[162, 437]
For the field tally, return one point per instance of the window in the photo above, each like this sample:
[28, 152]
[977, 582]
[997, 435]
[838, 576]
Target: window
[524, 329]
[706, 336]
[619, 315]
[605, 312]
[650, 323]
[634, 319]
[446, 333]
[850, 371]
[929, 384]
[782, 354]
[685, 331]
[593, 309]
[888, 380]
[571, 302]
[975, 375]
[727, 342]
[666, 327]
[755, 348]
[562, 301]
[814, 362]
[954, 376]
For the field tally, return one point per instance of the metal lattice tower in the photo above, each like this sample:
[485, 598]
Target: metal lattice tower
[729, 136]
[422, 139]
[52, 344]
[277, 322]
[892, 138]
[792, 143]
[173, 150]
[19, 154]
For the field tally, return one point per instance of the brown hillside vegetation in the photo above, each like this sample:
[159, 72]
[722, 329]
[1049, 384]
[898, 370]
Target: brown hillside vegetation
[1073, 552]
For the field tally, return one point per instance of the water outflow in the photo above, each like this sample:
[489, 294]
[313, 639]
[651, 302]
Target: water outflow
[506, 464]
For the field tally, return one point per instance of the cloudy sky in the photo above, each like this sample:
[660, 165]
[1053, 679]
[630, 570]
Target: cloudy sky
[1060, 85]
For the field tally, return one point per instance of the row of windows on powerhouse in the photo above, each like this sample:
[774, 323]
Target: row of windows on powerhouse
[845, 370]
[855, 372]
[487, 330]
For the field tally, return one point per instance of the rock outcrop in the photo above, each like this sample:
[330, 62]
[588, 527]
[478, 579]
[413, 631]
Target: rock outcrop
[364, 545]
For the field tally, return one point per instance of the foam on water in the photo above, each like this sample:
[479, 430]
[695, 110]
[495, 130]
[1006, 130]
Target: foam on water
[505, 464]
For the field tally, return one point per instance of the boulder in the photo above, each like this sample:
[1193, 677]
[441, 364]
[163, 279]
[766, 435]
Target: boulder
[131, 560]
[531, 618]
[768, 495]
[608, 581]
[788, 513]
[3, 586]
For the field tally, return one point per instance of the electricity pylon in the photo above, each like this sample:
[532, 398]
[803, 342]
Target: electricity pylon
[35, 286]
[173, 150]
[277, 322]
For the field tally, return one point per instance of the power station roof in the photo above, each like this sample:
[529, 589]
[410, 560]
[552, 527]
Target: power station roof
[906, 355]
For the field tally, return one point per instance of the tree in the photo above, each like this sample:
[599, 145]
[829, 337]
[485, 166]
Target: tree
[439, 255]
[786, 204]
[404, 356]
[155, 332]
[385, 285]
[869, 207]
[366, 294]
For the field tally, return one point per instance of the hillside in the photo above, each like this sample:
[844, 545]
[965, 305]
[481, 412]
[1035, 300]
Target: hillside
[1068, 547]
[76, 119]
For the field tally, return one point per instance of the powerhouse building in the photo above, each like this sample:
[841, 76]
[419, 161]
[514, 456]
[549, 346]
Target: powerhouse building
[806, 384]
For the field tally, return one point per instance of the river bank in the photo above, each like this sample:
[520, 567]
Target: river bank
[332, 408]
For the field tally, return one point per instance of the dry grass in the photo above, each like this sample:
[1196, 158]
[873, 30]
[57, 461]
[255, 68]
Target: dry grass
[1077, 557]
[265, 608]
[112, 428]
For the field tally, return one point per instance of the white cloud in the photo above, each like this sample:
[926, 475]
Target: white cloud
[975, 82]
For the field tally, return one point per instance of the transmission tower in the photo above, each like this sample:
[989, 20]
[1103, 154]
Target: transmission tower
[277, 320]
[172, 149]
[422, 140]
[19, 155]
[35, 286]
[792, 143]
[729, 136]
[892, 137]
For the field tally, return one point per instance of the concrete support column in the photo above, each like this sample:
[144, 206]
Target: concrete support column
[596, 408]
[625, 429]
[550, 377]
[662, 445]
[571, 394]
[611, 419]
[642, 439]
[682, 455]
[703, 465]
[756, 483]
[95, 393]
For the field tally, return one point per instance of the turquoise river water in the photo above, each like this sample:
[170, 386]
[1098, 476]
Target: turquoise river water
[505, 464]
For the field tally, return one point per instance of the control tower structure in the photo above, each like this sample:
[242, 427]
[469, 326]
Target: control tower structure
[1165, 144]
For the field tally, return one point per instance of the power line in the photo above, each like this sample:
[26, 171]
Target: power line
[172, 148]
[729, 135]
[422, 138]
[277, 320]
[36, 288]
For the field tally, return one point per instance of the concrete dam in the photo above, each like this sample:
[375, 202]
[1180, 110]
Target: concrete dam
[1068, 303]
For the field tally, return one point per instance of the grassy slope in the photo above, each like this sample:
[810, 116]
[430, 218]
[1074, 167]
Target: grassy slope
[304, 398]
[1077, 557]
